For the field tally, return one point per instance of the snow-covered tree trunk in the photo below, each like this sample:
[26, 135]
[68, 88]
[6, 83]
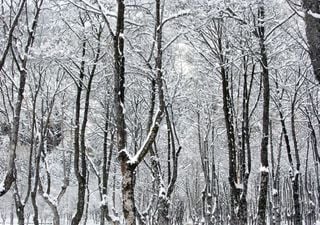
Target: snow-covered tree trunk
[229, 123]
[296, 176]
[128, 201]
[22, 65]
[103, 180]
[79, 149]
[163, 210]
[80, 163]
[276, 197]
[10, 38]
[264, 171]
[53, 206]
[10, 175]
[127, 170]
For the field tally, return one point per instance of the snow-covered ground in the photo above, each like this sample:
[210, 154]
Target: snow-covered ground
[93, 223]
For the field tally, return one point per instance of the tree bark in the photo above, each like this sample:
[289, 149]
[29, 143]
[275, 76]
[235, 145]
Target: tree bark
[11, 36]
[312, 7]
[264, 171]
[296, 175]
[80, 164]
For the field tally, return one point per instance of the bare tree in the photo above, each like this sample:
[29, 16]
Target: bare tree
[80, 163]
[264, 171]
[11, 28]
[21, 63]
[312, 21]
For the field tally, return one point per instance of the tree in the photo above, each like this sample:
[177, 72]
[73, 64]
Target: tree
[312, 21]
[264, 171]
[80, 163]
[129, 164]
[21, 61]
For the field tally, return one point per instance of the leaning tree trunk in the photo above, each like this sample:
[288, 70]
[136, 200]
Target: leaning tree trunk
[22, 65]
[6, 48]
[10, 176]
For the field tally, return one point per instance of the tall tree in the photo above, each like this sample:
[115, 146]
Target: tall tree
[80, 148]
[128, 163]
[21, 61]
[312, 21]
[264, 170]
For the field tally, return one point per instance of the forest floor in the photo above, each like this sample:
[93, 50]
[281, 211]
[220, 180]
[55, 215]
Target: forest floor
[92, 223]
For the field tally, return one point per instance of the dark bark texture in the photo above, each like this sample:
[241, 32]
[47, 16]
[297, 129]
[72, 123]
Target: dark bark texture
[264, 173]
[313, 33]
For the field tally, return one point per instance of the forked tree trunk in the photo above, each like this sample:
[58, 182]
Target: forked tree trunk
[128, 164]
[127, 171]
[5, 52]
[80, 169]
[80, 163]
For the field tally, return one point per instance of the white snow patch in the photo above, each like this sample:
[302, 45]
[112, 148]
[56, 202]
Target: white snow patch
[264, 169]
[50, 199]
[239, 185]
[311, 203]
[87, 25]
[123, 108]
[274, 192]
[2, 186]
[104, 200]
[114, 218]
[135, 158]
[313, 14]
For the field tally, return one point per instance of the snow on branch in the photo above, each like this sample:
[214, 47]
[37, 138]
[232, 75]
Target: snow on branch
[95, 170]
[138, 157]
[264, 169]
[102, 11]
[175, 16]
[313, 14]
[173, 40]
[280, 24]
[7, 182]
[2, 189]
[49, 199]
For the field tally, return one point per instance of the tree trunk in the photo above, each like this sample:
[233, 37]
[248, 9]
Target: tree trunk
[229, 122]
[163, 212]
[127, 171]
[80, 164]
[11, 214]
[264, 171]
[86, 212]
[51, 204]
[6, 49]
[56, 217]
[129, 209]
[313, 33]
[296, 175]
[20, 214]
